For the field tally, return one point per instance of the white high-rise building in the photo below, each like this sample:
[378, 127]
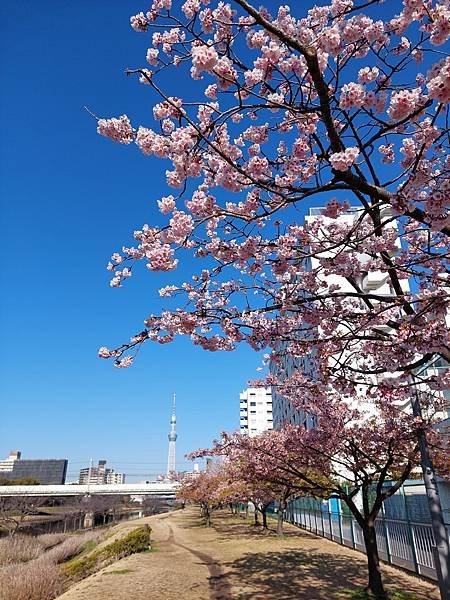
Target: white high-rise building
[374, 281]
[255, 411]
[100, 475]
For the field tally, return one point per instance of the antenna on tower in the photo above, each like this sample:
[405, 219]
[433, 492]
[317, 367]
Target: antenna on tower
[174, 403]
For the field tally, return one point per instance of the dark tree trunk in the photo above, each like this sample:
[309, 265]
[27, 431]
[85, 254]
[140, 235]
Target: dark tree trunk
[373, 563]
[281, 511]
[264, 516]
[280, 520]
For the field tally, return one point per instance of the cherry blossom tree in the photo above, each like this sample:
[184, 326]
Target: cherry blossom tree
[207, 489]
[336, 105]
[248, 479]
[344, 106]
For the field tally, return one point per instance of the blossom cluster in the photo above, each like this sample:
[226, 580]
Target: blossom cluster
[404, 103]
[342, 161]
[438, 81]
[118, 129]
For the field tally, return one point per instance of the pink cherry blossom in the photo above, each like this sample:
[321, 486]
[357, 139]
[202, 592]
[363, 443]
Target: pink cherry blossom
[204, 58]
[404, 103]
[368, 74]
[152, 56]
[387, 152]
[438, 81]
[342, 161]
[139, 22]
[166, 205]
[352, 95]
[118, 129]
[105, 352]
[124, 363]
[181, 226]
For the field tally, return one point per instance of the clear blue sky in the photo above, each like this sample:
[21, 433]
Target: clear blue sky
[69, 199]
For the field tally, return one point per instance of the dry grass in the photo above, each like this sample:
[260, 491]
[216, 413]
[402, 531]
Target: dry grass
[49, 540]
[19, 549]
[70, 547]
[38, 579]
[56, 547]
[30, 572]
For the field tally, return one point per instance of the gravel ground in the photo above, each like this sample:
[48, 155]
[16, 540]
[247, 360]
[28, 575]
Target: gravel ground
[233, 560]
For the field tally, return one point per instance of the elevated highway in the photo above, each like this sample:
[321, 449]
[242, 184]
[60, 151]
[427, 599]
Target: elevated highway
[161, 490]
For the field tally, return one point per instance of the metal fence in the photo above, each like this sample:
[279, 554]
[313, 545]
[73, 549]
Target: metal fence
[401, 542]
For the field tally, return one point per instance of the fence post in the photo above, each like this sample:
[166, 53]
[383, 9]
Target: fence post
[341, 534]
[352, 532]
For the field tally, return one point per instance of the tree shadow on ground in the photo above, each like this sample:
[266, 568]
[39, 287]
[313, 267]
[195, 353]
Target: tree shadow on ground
[246, 528]
[306, 575]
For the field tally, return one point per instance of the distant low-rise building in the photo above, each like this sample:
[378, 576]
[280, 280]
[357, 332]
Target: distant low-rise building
[255, 411]
[100, 475]
[115, 478]
[47, 471]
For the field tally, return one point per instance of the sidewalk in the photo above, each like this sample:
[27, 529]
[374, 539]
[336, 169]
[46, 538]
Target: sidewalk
[232, 560]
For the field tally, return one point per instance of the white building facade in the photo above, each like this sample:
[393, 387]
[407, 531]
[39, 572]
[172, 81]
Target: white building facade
[100, 475]
[374, 281]
[255, 411]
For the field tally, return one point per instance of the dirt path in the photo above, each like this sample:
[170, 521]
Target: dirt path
[234, 561]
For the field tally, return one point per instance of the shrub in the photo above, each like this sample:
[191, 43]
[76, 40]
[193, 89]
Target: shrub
[19, 549]
[135, 541]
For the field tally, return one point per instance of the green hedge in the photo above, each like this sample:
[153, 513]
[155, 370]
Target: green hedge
[136, 541]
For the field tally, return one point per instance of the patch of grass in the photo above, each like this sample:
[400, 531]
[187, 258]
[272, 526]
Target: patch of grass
[356, 594]
[89, 546]
[119, 572]
[137, 540]
[79, 567]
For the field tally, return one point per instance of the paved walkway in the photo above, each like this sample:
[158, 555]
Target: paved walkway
[234, 561]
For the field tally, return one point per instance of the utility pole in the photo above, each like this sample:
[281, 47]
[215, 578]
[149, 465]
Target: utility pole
[89, 476]
[441, 549]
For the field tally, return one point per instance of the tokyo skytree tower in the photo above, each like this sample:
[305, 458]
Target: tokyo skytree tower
[172, 441]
